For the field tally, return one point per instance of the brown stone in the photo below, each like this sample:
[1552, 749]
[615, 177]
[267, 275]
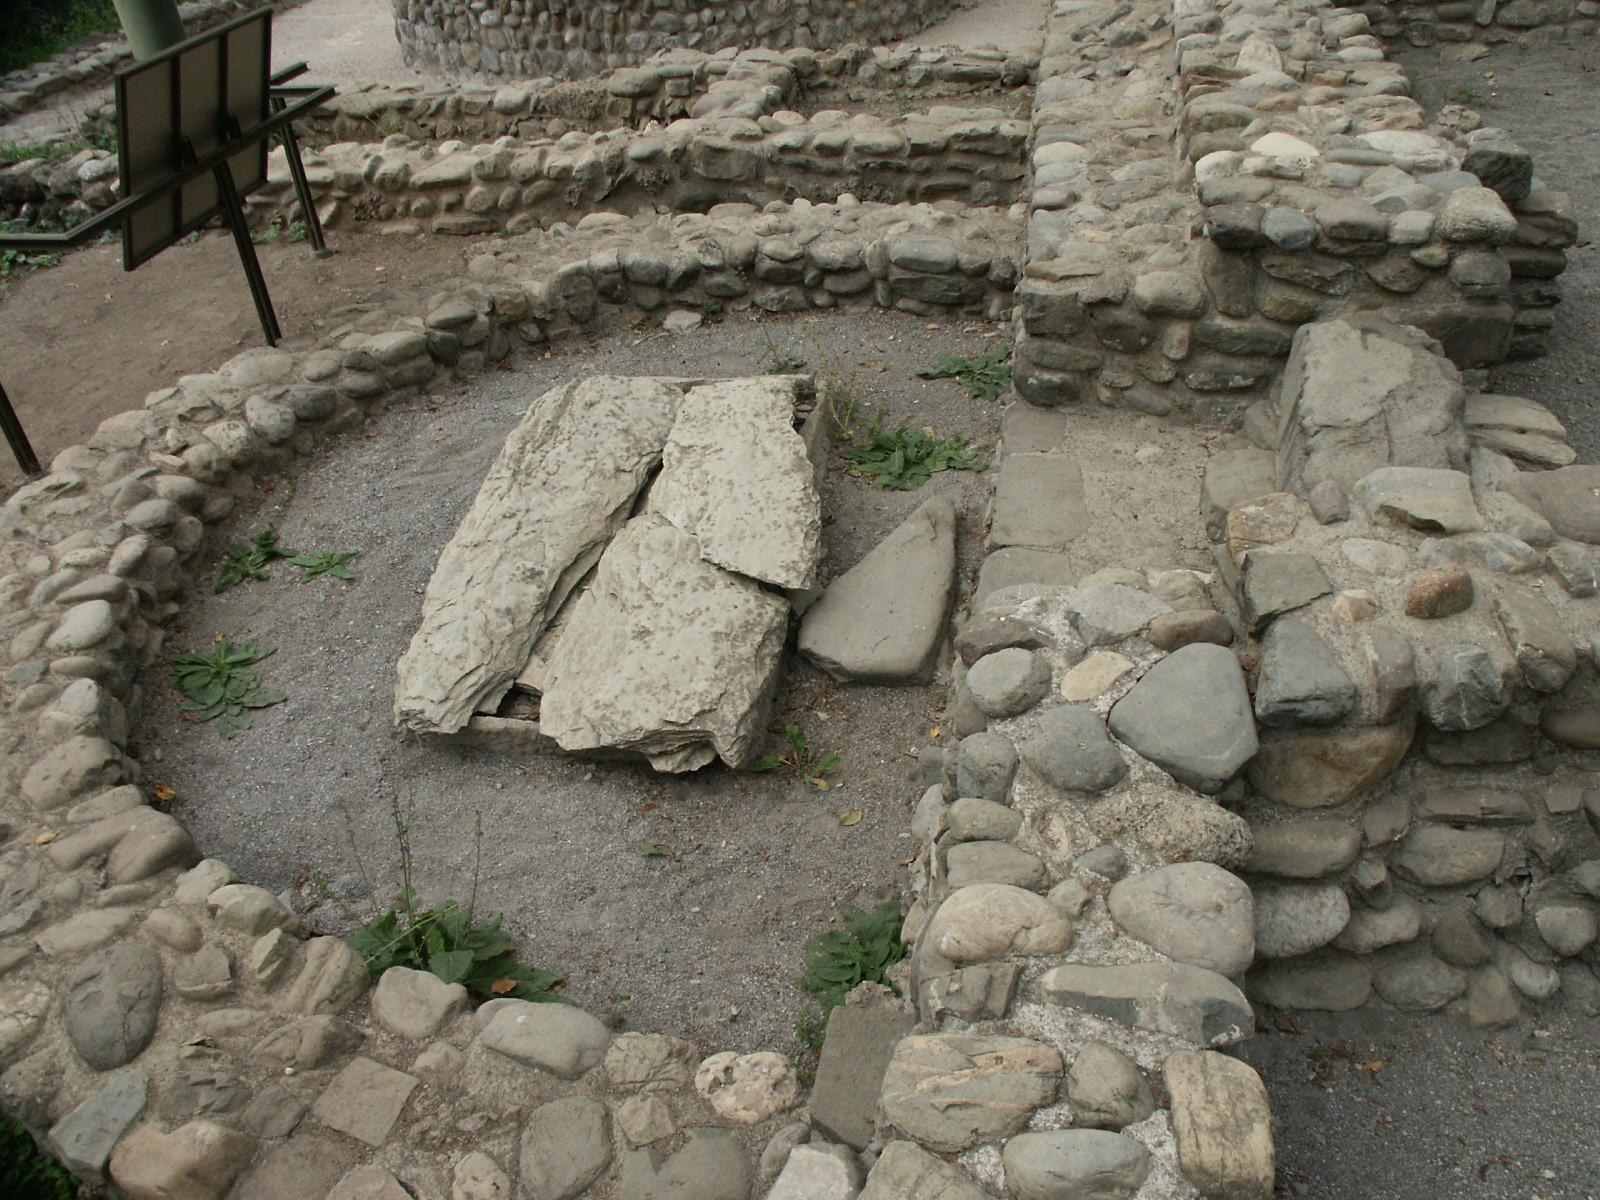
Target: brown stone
[1318, 768]
[1222, 1123]
[1439, 592]
[1172, 631]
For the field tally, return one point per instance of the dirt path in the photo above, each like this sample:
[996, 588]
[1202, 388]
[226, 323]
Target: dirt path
[1015, 25]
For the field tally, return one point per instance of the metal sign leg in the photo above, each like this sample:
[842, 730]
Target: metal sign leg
[302, 186]
[17, 438]
[247, 253]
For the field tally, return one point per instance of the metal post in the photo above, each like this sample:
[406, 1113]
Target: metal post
[18, 439]
[151, 25]
[302, 186]
[234, 211]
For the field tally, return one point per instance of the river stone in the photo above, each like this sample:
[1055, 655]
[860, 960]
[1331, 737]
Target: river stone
[1319, 768]
[84, 1138]
[564, 482]
[710, 1166]
[1374, 928]
[83, 626]
[415, 1004]
[1361, 393]
[883, 620]
[1192, 1003]
[985, 765]
[1419, 984]
[1193, 912]
[196, 1161]
[666, 655]
[1327, 981]
[566, 1145]
[1296, 918]
[1301, 681]
[1069, 749]
[1491, 1000]
[1222, 1123]
[1074, 1164]
[558, 1038]
[1279, 581]
[973, 820]
[1434, 501]
[905, 1171]
[1105, 1089]
[1460, 940]
[1568, 497]
[736, 478]
[111, 1004]
[1008, 682]
[991, 920]
[954, 1091]
[1567, 929]
[1190, 715]
[1440, 856]
[1543, 648]
[331, 976]
[1467, 691]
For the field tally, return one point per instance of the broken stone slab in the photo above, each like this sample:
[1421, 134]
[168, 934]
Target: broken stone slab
[1523, 430]
[1361, 393]
[1234, 477]
[1193, 912]
[562, 485]
[1107, 613]
[1569, 498]
[1038, 502]
[1190, 715]
[1222, 1123]
[1279, 581]
[667, 656]
[1189, 1002]
[84, 1138]
[735, 477]
[1016, 565]
[1300, 681]
[536, 671]
[883, 620]
[955, 1091]
[856, 1049]
[1434, 501]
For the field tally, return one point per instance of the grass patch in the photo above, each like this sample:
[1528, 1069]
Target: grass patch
[26, 1172]
[987, 377]
[800, 760]
[279, 231]
[838, 960]
[224, 684]
[33, 32]
[907, 458]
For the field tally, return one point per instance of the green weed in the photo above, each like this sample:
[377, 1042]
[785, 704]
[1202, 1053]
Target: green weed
[325, 562]
[987, 377]
[838, 960]
[1465, 95]
[800, 760]
[248, 560]
[907, 458]
[26, 1171]
[276, 230]
[224, 685]
[780, 362]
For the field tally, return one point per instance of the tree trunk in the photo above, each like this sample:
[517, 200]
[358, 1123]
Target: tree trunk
[151, 25]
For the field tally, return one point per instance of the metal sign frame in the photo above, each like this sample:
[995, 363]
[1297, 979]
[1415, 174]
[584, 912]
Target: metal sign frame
[215, 164]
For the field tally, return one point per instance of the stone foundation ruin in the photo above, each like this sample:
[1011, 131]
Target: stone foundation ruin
[1342, 758]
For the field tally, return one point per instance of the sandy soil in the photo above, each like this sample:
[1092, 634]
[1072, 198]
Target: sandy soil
[1016, 25]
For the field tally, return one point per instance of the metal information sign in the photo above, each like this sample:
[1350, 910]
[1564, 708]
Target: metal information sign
[193, 124]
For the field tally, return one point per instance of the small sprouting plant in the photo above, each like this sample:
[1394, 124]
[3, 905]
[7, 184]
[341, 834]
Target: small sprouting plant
[1465, 95]
[325, 562]
[842, 407]
[248, 560]
[800, 760]
[451, 940]
[838, 960]
[987, 377]
[780, 362]
[279, 230]
[907, 458]
[224, 684]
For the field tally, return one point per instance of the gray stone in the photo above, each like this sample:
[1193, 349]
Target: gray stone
[558, 1038]
[1419, 984]
[1569, 498]
[364, 1100]
[1430, 499]
[1544, 651]
[111, 1004]
[206, 974]
[1195, 913]
[1326, 982]
[710, 1166]
[1107, 860]
[1374, 928]
[736, 478]
[856, 1049]
[993, 862]
[1016, 565]
[1475, 214]
[1491, 1000]
[1069, 749]
[666, 656]
[1232, 478]
[1190, 715]
[1107, 613]
[982, 992]
[1008, 682]
[973, 820]
[1074, 1164]
[563, 483]
[566, 1145]
[1289, 229]
[82, 627]
[985, 766]
[368, 1183]
[415, 1004]
[84, 1138]
[1467, 690]
[985, 632]
[986, 921]
[1440, 856]
[248, 909]
[1038, 502]
[1192, 1003]
[1297, 918]
[955, 1091]
[1222, 1123]
[905, 1171]
[1502, 165]
[1279, 581]
[1460, 940]
[1568, 929]
[1301, 681]
[882, 621]
[1105, 1089]
[818, 1172]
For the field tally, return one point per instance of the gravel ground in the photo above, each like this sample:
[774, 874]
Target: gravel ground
[1013, 25]
[1518, 90]
[705, 941]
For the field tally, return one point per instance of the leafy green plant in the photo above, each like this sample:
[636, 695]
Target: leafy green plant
[800, 760]
[780, 362]
[907, 458]
[838, 960]
[26, 1171]
[451, 940]
[224, 684]
[987, 377]
[325, 562]
[33, 32]
[248, 560]
[276, 230]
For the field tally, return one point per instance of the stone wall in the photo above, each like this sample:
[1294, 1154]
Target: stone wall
[525, 39]
[1483, 22]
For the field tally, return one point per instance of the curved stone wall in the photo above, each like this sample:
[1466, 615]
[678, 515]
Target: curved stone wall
[525, 39]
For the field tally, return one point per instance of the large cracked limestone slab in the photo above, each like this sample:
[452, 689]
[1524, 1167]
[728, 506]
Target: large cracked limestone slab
[735, 476]
[883, 620]
[666, 655]
[564, 482]
[1362, 393]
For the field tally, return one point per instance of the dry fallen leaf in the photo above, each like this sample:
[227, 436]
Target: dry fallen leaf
[163, 793]
[1375, 1065]
[49, 835]
[850, 816]
[501, 987]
